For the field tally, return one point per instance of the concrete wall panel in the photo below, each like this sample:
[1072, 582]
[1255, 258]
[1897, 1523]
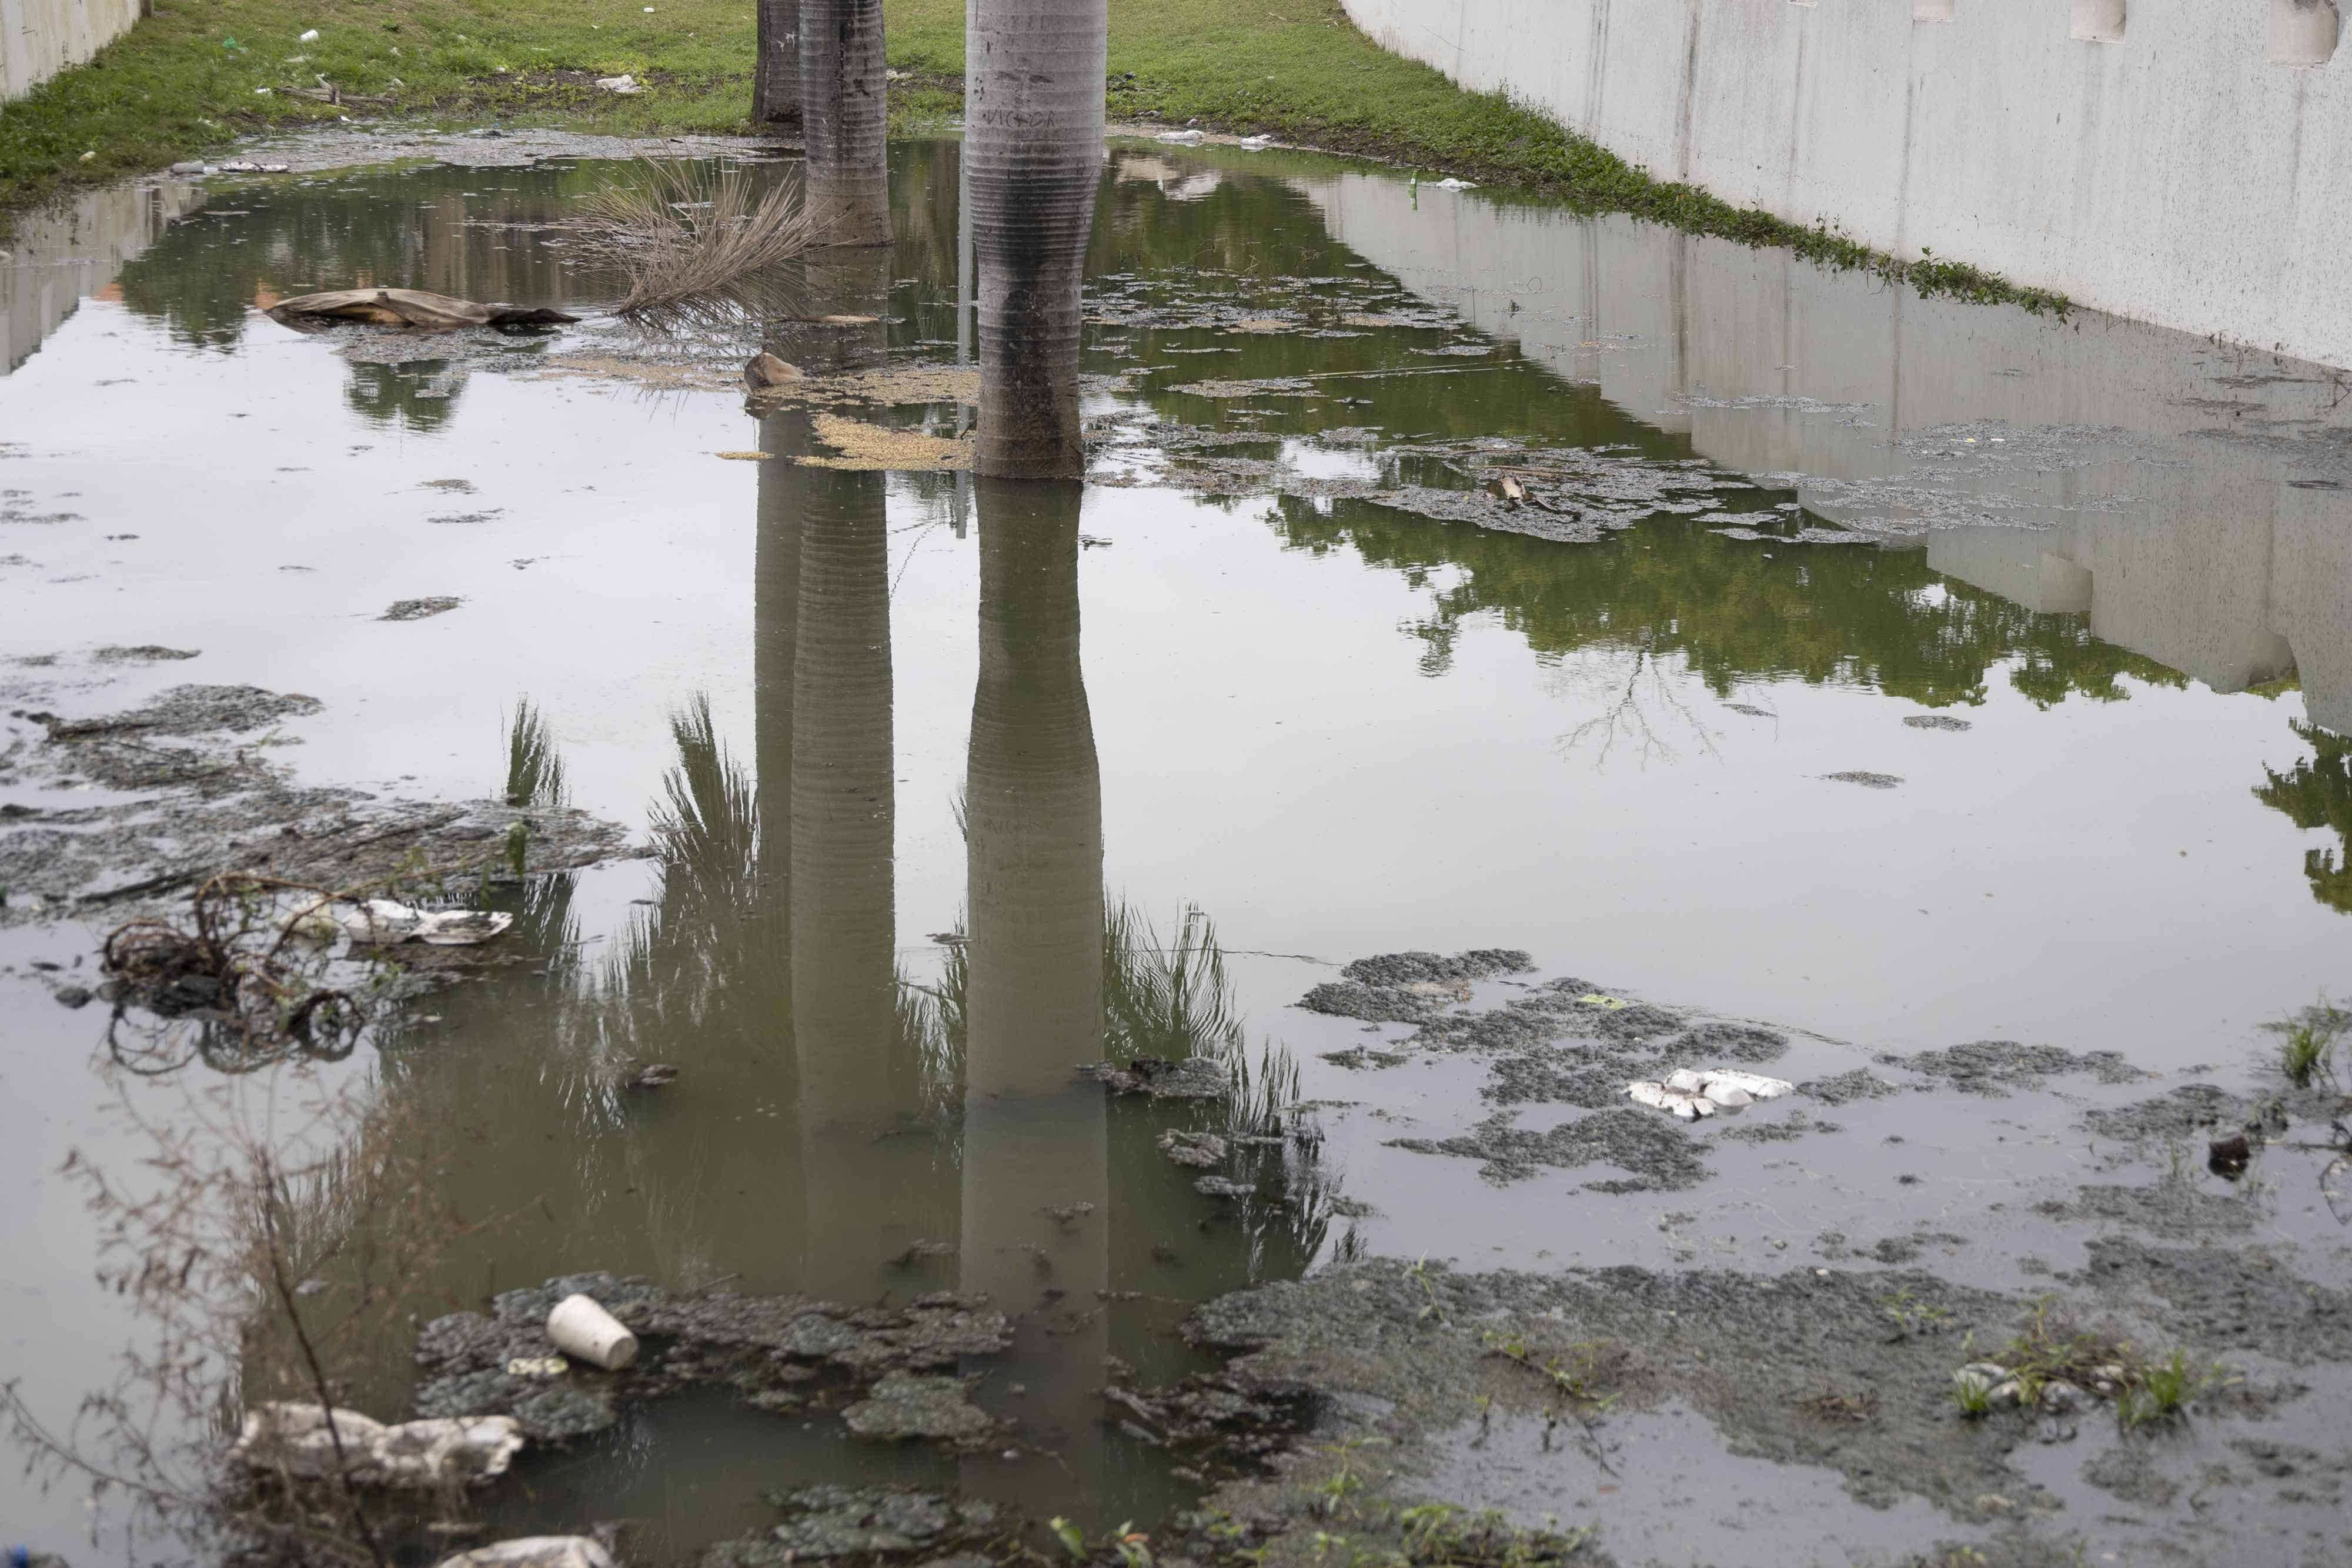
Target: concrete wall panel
[2176, 174]
[40, 38]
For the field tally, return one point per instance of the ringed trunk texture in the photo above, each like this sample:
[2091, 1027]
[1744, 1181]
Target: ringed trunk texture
[1034, 146]
[1035, 1136]
[845, 119]
[776, 71]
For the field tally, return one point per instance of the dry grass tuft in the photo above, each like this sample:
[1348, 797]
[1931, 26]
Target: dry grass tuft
[690, 236]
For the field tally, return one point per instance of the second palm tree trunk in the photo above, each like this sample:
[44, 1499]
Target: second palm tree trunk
[1034, 139]
[845, 118]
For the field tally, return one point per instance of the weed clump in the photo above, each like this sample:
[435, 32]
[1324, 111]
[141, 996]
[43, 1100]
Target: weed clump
[2307, 1043]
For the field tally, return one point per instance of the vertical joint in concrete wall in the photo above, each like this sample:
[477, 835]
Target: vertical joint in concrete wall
[2303, 32]
[2097, 21]
[1931, 10]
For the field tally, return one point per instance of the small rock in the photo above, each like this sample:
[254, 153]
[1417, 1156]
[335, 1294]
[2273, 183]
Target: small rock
[72, 996]
[187, 168]
[2048, 1431]
[2007, 1395]
[764, 371]
[2061, 1398]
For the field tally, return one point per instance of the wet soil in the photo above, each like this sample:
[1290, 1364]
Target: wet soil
[194, 787]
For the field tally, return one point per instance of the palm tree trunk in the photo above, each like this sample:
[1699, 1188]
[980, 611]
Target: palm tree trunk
[1034, 138]
[1034, 1136]
[844, 116]
[776, 68]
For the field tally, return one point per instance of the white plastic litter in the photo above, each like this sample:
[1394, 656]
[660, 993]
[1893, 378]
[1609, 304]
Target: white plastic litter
[620, 83]
[1450, 183]
[580, 1327]
[1182, 138]
[310, 37]
[295, 1437]
[384, 922]
[1689, 1107]
[1692, 1094]
[535, 1551]
[1255, 143]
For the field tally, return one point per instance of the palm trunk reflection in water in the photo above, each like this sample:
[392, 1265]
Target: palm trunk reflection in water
[874, 1192]
[1033, 150]
[1034, 1136]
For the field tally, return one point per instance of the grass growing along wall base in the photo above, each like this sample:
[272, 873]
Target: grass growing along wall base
[176, 86]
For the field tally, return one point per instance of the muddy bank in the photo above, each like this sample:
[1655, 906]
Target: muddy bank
[1579, 1403]
[116, 815]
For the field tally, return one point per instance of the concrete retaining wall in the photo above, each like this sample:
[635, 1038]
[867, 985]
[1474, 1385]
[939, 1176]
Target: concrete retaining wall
[39, 38]
[2158, 159]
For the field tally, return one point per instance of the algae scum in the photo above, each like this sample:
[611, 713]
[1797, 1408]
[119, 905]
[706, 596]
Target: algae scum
[1113, 1003]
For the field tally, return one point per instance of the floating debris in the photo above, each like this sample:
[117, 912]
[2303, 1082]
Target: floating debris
[420, 609]
[384, 922]
[1200, 1151]
[1868, 781]
[297, 1439]
[407, 307]
[1936, 721]
[535, 1551]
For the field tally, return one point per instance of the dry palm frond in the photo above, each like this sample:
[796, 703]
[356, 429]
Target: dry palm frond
[689, 234]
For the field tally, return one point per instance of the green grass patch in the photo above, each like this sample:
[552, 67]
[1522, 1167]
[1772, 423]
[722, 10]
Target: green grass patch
[183, 83]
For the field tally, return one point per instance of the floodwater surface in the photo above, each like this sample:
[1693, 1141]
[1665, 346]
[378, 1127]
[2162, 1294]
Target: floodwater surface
[1453, 573]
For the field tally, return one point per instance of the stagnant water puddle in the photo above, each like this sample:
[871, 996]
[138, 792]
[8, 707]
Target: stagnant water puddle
[1837, 677]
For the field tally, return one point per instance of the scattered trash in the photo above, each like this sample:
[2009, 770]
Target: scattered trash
[1255, 143]
[386, 923]
[538, 1366]
[535, 1551]
[187, 168]
[1938, 721]
[261, 92]
[1868, 781]
[1691, 1095]
[309, 36]
[653, 1075]
[1595, 999]
[1089, 541]
[1182, 138]
[1200, 1151]
[297, 1439]
[240, 166]
[623, 85]
[577, 1324]
[1451, 184]
[2228, 1155]
[87, 156]
[407, 307]
[764, 371]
